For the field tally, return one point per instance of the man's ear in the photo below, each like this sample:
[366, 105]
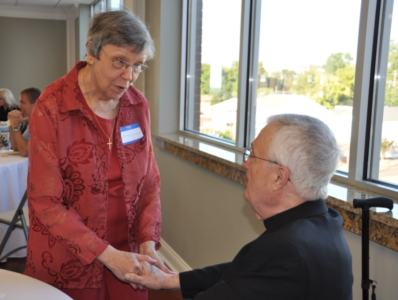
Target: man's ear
[282, 177]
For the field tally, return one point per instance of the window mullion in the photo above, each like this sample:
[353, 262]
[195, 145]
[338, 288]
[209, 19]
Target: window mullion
[361, 92]
[183, 68]
[253, 72]
[380, 88]
[243, 72]
[190, 119]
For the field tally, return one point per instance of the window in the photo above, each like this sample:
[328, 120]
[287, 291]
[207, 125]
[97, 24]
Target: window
[214, 65]
[106, 5]
[245, 60]
[383, 154]
[306, 64]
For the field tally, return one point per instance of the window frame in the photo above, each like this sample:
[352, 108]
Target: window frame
[106, 5]
[364, 96]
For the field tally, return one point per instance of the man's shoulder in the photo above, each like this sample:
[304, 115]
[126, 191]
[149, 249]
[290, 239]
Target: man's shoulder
[305, 231]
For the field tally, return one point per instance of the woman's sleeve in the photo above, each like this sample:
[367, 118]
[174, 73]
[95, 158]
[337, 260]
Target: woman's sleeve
[47, 188]
[148, 222]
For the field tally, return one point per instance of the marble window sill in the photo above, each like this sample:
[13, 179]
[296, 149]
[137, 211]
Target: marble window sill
[383, 224]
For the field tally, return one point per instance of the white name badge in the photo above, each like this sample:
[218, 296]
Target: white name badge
[131, 133]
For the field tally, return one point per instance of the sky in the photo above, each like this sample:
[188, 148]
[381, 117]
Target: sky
[293, 34]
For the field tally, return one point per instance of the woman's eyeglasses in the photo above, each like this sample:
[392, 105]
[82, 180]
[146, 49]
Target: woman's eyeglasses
[121, 64]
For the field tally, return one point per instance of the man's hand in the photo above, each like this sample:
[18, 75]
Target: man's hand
[154, 278]
[121, 262]
[16, 118]
[148, 248]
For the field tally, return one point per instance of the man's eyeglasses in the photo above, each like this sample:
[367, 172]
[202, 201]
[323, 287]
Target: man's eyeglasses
[248, 152]
[121, 64]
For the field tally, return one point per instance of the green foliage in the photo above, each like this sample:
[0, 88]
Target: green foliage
[227, 135]
[385, 146]
[391, 96]
[329, 85]
[337, 61]
[229, 83]
[205, 79]
[229, 87]
[391, 93]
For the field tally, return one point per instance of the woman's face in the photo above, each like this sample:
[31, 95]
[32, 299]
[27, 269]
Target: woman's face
[109, 81]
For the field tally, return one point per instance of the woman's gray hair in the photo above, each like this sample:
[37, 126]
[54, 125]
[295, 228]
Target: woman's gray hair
[9, 97]
[120, 28]
[308, 148]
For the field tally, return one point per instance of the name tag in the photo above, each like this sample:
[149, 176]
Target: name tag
[131, 133]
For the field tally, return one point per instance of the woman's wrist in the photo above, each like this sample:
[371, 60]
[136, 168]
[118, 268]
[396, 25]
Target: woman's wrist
[106, 256]
[147, 245]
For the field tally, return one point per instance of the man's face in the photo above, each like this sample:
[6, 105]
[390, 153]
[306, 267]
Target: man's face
[259, 175]
[25, 106]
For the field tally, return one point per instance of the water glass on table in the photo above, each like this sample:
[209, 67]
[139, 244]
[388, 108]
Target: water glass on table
[4, 151]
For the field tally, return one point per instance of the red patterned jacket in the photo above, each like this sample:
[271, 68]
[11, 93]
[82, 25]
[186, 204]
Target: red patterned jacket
[68, 188]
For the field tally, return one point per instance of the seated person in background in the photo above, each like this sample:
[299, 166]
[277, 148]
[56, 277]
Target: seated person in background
[27, 100]
[302, 254]
[7, 103]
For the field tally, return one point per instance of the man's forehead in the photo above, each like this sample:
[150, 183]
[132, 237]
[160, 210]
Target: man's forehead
[264, 138]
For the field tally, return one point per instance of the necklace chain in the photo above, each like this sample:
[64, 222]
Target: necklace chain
[114, 121]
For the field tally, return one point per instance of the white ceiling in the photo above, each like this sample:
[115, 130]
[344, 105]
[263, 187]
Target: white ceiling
[44, 3]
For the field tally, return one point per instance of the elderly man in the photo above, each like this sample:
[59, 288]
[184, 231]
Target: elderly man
[19, 140]
[302, 254]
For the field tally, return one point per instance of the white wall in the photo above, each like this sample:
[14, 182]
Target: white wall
[38, 45]
[32, 54]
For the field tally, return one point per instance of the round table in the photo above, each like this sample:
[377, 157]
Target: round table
[16, 286]
[13, 183]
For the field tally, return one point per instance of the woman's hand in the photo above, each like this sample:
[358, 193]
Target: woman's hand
[121, 262]
[154, 278]
[148, 248]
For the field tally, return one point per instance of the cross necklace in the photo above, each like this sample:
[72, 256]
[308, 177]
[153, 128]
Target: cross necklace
[114, 121]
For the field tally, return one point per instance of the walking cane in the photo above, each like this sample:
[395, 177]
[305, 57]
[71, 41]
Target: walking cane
[365, 204]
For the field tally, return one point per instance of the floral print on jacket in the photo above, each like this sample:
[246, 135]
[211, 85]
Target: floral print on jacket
[68, 187]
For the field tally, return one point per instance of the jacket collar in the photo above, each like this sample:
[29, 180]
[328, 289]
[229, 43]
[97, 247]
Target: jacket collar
[73, 97]
[302, 211]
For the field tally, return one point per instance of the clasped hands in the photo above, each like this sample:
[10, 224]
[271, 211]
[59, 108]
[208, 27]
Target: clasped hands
[153, 277]
[16, 117]
[140, 270]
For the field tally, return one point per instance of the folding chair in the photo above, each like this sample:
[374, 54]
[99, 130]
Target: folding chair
[15, 219]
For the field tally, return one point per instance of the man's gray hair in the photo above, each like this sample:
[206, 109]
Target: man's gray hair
[308, 148]
[120, 28]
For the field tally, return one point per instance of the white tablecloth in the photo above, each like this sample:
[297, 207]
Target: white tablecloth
[16, 286]
[13, 182]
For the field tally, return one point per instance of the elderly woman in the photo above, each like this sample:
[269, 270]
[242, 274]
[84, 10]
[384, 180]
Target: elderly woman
[7, 103]
[94, 184]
